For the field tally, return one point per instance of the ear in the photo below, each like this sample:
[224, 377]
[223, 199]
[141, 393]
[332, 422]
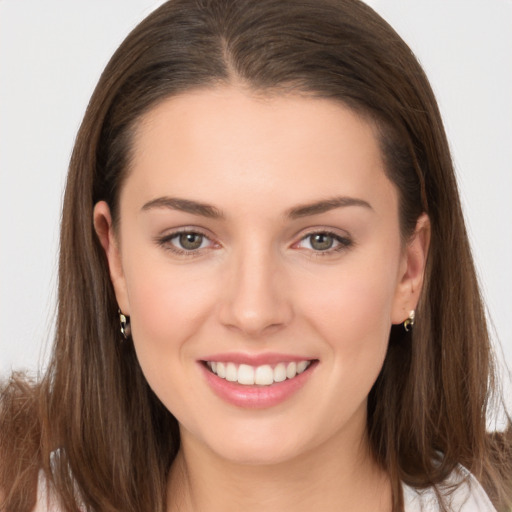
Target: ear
[110, 243]
[412, 271]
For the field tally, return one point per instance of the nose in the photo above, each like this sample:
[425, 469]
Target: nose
[255, 297]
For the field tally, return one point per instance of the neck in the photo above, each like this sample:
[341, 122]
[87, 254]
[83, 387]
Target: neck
[200, 480]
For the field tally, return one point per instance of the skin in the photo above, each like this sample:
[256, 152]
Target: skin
[258, 284]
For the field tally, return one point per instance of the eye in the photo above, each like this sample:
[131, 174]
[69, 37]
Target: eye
[321, 241]
[187, 243]
[324, 242]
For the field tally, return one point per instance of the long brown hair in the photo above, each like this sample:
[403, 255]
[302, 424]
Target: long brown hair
[93, 424]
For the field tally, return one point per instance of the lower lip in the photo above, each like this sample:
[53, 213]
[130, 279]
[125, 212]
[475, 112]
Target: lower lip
[256, 397]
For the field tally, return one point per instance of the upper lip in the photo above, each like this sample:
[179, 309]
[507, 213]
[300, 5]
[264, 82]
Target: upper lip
[256, 359]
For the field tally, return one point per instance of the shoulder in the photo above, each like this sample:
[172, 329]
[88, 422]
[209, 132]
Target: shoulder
[462, 491]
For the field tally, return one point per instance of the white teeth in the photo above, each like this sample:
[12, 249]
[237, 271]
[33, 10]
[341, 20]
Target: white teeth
[221, 370]
[280, 373]
[263, 375]
[291, 370]
[245, 374]
[302, 366]
[231, 373]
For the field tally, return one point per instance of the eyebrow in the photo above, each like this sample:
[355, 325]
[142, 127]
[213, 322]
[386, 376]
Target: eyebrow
[185, 205]
[207, 210]
[325, 205]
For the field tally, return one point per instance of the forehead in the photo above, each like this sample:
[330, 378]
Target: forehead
[228, 141]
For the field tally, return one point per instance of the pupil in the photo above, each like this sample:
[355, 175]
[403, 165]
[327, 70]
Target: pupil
[321, 242]
[191, 241]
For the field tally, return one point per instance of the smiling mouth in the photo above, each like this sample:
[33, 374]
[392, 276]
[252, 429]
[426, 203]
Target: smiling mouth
[264, 375]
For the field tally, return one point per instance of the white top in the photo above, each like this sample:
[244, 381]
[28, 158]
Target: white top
[468, 497]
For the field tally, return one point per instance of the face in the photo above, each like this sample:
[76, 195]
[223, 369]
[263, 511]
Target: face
[259, 257]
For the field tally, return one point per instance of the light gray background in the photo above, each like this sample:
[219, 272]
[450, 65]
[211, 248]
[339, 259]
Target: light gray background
[52, 53]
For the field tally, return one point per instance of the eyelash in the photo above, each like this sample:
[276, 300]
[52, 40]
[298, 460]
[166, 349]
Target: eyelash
[166, 242]
[343, 243]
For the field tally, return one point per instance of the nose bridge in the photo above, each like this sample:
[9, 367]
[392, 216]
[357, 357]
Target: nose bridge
[255, 298]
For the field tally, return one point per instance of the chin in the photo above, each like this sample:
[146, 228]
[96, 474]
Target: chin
[253, 455]
[259, 447]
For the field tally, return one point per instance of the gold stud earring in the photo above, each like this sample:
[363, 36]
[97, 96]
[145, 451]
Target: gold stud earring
[409, 321]
[125, 325]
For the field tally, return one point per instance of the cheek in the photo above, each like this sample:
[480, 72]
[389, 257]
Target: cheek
[351, 307]
[359, 299]
[167, 306]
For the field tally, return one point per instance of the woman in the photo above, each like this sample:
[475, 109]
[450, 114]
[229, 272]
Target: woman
[261, 199]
